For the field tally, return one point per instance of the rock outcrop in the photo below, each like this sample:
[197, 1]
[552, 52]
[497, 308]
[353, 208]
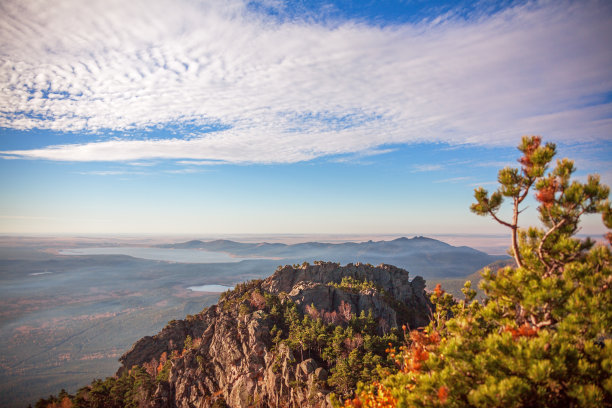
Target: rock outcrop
[301, 285]
[227, 353]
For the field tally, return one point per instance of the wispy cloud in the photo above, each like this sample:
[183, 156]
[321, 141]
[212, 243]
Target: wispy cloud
[200, 162]
[189, 170]
[484, 183]
[143, 164]
[285, 92]
[357, 158]
[111, 173]
[421, 168]
[452, 180]
[497, 164]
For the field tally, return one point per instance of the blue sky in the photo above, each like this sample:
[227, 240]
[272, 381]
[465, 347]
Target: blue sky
[217, 117]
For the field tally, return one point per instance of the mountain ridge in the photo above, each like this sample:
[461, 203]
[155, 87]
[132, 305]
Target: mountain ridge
[423, 256]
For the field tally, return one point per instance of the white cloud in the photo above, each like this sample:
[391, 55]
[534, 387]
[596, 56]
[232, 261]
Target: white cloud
[357, 158]
[143, 164]
[485, 183]
[497, 164]
[111, 173]
[200, 162]
[296, 91]
[420, 168]
[452, 180]
[185, 171]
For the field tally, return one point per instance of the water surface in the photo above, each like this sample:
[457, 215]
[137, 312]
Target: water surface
[210, 288]
[159, 254]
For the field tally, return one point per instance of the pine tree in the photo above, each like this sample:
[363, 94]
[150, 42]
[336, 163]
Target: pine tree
[542, 338]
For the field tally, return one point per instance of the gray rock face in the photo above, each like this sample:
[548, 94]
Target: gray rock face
[329, 298]
[232, 354]
[300, 284]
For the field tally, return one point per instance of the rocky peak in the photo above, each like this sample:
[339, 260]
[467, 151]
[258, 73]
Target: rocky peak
[318, 284]
[253, 348]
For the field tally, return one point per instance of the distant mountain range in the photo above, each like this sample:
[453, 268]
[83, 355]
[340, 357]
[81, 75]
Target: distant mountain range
[422, 256]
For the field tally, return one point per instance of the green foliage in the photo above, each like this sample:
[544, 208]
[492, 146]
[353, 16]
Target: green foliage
[351, 353]
[164, 373]
[188, 342]
[355, 285]
[241, 292]
[244, 309]
[542, 336]
[130, 390]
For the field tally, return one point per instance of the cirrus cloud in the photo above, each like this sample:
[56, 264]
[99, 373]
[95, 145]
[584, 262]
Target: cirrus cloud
[290, 91]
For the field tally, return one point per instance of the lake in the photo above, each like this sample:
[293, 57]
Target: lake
[210, 288]
[159, 254]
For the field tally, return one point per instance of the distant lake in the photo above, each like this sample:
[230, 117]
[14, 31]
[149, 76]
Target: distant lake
[210, 288]
[159, 254]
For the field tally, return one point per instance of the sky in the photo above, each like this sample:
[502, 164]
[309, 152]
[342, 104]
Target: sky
[290, 117]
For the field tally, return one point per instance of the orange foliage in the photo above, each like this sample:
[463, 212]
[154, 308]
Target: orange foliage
[66, 403]
[525, 330]
[379, 397]
[531, 148]
[410, 360]
[546, 195]
[443, 394]
[438, 290]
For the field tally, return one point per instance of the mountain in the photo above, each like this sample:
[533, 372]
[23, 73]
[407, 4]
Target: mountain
[289, 340]
[423, 256]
